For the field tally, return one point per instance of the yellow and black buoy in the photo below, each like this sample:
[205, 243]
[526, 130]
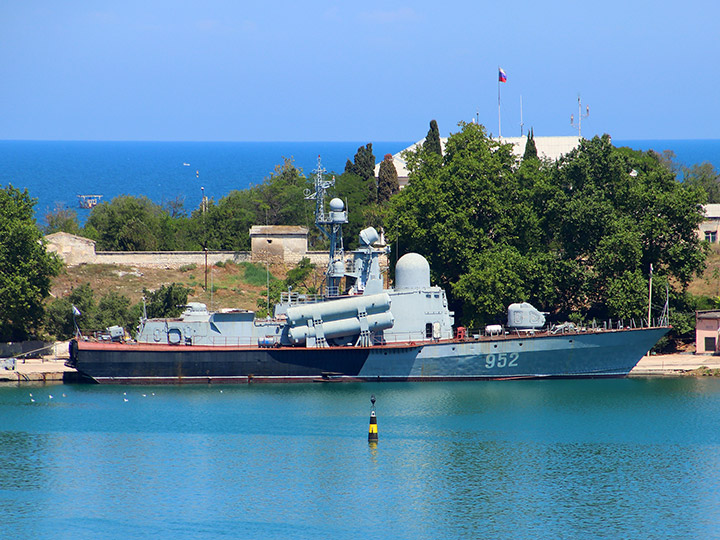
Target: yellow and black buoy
[373, 431]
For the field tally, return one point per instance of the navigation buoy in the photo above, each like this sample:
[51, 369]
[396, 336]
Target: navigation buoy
[373, 431]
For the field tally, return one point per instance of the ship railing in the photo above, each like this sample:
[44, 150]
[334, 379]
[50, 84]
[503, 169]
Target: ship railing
[400, 337]
[223, 341]
[294, 298]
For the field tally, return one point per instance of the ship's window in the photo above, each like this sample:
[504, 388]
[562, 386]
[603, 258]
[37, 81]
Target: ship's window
[428, 330]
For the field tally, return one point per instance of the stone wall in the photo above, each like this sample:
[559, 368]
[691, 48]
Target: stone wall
[168, 259]
[284, 247]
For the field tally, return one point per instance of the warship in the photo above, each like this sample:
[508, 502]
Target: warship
[363, 331]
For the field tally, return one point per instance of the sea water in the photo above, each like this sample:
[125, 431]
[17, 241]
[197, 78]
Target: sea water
[609, 459]
[56, 172]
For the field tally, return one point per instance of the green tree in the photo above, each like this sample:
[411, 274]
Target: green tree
[432, 139]
[706, 177]
[573, 236]
[618, 211]
[450, 212]
[26, 268]
[167, 301]
[363, 164]
[131, 224]
[387, 179]
[363, 167]
[279, 200]
[62, 219]
[60, 320]
[530, 148]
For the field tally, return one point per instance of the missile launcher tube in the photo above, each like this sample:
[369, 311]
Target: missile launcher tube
[342, 327]
[344, 308]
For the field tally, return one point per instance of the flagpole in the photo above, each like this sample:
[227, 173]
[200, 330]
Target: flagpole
[499, 125]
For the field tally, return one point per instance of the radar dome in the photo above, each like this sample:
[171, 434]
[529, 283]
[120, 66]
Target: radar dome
[412, 272]
[336, 205]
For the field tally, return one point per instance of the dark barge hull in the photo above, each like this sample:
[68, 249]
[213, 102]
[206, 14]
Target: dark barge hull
[590, 354]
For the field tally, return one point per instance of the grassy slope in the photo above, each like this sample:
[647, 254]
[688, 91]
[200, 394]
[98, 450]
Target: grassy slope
[229, 285]
[709, 283]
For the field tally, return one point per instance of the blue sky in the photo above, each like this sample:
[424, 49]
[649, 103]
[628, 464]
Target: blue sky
[334, 71]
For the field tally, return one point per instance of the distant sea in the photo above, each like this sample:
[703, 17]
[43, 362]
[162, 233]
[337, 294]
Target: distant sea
[56, 172]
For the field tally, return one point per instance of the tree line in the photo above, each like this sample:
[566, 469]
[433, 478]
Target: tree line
[576, 237]
[129, 223]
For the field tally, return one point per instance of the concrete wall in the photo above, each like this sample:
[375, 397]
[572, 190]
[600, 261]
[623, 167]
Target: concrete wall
[168, 259]
[278, 243]
[287, 247]
[71, 249]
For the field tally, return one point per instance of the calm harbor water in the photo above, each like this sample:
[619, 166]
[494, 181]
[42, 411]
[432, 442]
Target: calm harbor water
[626, 458]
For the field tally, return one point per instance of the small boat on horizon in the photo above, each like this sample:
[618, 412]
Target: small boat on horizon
[88, 201]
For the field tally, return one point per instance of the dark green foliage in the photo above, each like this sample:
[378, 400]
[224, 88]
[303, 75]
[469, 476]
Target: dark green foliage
[61, 220]
[706, 177]
[298, 280]
[59, 316]
[576, 236]
[364, 168]
[131, 224]
[167, 301]
[387, 180]
[26, 268]
[364, 163]
[279, 200]
[112, 309]
[530, 148]
[256, 273]
[298, 275]
[432, 139]
[354, 191]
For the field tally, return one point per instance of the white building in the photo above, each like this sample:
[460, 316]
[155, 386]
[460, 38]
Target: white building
[710, 228]
[551, 148]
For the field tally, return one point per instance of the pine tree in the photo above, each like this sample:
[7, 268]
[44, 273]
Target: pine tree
[432, 140]
[364, 165]
[387, 179]
[530, 148]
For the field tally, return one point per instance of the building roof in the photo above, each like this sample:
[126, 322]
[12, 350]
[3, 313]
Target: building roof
[63, 237]
[278, 230]
[711, 211]
[547, 147]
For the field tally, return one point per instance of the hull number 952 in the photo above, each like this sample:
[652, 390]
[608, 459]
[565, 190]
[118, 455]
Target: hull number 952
[501, 360]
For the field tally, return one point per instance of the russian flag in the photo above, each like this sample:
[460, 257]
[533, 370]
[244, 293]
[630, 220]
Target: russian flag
[501, 75]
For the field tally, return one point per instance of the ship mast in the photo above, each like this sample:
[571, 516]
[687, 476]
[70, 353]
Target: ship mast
[330, 224]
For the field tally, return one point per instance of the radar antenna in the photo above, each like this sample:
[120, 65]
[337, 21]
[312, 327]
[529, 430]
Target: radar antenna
[330, 224]
[580, 116]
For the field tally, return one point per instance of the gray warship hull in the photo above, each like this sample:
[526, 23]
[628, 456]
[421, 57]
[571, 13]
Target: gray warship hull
[602, 353]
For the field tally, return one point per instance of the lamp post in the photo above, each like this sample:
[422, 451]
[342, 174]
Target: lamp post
[267, 273]
[203, 206]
